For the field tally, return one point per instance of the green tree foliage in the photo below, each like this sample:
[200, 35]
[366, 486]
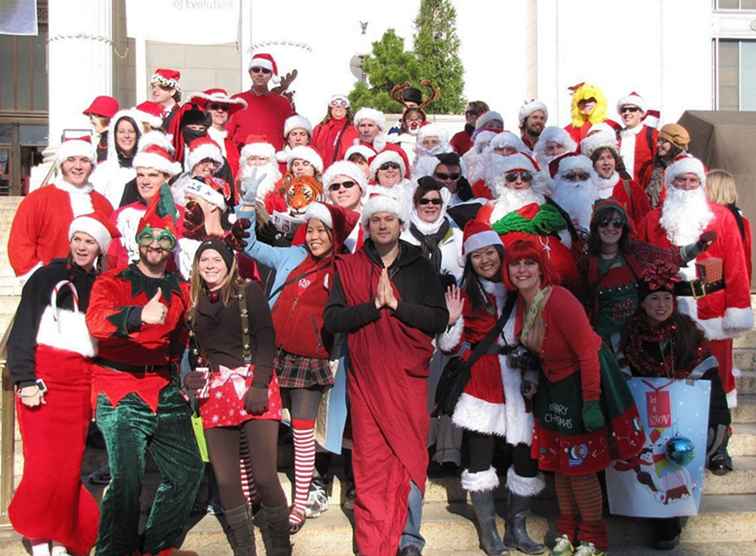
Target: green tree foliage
[437, 52]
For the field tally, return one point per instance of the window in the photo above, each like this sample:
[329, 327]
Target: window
[736, 72]
[736, 4]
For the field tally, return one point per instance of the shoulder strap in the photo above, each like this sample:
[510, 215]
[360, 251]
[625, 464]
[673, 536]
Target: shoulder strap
[650, 138]
[628, 192]
[484, 344]
[244, 318]
[738, 218]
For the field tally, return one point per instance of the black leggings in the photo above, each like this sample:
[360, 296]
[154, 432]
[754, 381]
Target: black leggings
[223, 447]
[303, 403]
[481, 449]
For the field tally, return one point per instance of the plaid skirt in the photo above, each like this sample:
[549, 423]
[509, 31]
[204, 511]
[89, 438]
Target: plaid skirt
[298, 371]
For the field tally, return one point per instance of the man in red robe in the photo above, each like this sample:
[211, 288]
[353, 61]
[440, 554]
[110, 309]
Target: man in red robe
[390, 303]
[715, 290]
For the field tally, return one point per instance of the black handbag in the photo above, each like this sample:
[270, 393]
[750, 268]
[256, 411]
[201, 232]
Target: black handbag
[456, 372]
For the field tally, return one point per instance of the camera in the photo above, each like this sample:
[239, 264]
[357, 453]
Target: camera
[520, 357]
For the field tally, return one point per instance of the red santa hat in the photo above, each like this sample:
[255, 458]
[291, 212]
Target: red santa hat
[203, 148]
[348, 169]
[217, 96]
[297, 122]
[569, 162]
[371, 114]
[632, 99]
[104, 106]
[76, 146]
[382, 158]
[161, 212]
[198, 187]
[488, 117]
[165, 77]
[97, 225]
[478, 235]
[149, 112]
[530, 106]
[361, 149]
[320, 211]
[685, 165]
[265, 61]
[382, 199]
[256, 145]
[158, 138]
[155, 156]
[302, 152]
[600, 140]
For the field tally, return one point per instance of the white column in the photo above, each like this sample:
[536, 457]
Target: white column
[80, 60]
[245, 42]
[140, 55]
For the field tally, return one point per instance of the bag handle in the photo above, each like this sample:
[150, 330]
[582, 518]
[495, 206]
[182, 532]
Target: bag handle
[57, 289]
[486, 342]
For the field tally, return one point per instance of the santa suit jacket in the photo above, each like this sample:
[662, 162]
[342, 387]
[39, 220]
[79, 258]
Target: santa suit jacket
[725, 313]
[332, 139]
[643, 140]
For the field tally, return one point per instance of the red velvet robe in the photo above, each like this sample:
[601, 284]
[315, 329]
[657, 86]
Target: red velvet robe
[330, 135]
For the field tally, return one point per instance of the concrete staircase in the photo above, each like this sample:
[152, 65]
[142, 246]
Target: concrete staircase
[725, 526]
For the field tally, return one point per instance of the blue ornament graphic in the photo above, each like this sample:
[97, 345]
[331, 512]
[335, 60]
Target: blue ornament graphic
[680, 450]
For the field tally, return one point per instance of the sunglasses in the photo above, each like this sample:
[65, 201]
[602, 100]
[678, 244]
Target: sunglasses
[164, 238]
[629, 109]
[472, 113]
[512, 177]
[616, 224]
[576, 176]
[345, 184]
[339, 103]
[389, 166]
[221, 107]
[434, 201]
[446, 177]
[257, 69]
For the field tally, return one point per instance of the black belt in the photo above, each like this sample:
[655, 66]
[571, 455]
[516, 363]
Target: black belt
[697, 288]
[118, 366]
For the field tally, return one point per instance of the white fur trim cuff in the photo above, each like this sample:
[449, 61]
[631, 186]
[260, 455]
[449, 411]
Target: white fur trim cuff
[524, 486]
[737, 320]
[480, 481]
[452, 337]
[478, 415]
[732, 398]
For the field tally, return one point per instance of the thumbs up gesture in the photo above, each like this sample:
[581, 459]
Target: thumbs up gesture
[154, 312]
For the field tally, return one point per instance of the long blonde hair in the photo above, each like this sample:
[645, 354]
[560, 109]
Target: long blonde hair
[229, 288]
[720, 187]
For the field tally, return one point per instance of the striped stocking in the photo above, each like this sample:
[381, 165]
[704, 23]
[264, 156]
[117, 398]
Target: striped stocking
[304, 464]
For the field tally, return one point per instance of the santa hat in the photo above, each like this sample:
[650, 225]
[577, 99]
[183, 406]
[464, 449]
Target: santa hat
[508, 139]
[555, 135]
[97, 225]
[432, 130]
[633, 99]
[203, 148]
[168, 78]
[149, 112]
[488, 117]
[478, 235]
[569, 162]
[652, 118]
[198, 187]
[320, 211]
[104, 106]
[482, 140]
[297, 122]
[345, 168]
[265, 61]
[161, 212]
[155, 156]
[530, 106]
[256, 145]
[602, 206]
[76, 146]
[382, 158]
[600, 140]
[359, 148]
[303, 152]
[517, 161]
[218, 96]
[685, 165]
[382, 199]
[339, 96]
[158, 138]
[375, 116]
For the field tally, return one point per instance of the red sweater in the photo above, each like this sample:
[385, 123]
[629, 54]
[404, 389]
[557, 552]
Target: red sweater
[265, 115]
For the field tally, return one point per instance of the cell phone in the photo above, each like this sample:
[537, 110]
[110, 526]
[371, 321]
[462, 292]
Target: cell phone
[41, 385]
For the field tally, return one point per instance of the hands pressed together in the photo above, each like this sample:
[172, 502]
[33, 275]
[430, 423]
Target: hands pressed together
[384, 296]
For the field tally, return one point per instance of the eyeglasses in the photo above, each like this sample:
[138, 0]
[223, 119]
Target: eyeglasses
[221, 107]
[614, 223]
[446, 177]
[512, 177]
[389, 166]
[258, 69]
[345, 184]
[629, 109]
[433, 201]
[164, 238]
[576, 176]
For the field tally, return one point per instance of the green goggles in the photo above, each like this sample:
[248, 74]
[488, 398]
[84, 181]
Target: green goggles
[164, 238]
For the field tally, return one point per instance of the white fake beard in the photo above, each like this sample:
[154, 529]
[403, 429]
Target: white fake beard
[605, 185]
[577, 199]
[685, 215]
[272, 175]
[509, 200]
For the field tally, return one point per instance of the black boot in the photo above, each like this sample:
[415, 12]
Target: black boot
[517, 533]
[490, 541]
[276, 534]
[720, 462]
[239, 531]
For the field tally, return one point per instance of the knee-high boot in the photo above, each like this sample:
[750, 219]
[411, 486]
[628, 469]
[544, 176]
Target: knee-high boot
[517, 533]
[239, 531]
[481, 486]
[274, 525]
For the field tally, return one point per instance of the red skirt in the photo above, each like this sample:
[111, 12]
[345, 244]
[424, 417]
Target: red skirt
[579, 454]
[51, 502]
[224, 405]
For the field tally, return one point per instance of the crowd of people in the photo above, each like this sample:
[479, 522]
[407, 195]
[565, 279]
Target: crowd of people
[221, 260]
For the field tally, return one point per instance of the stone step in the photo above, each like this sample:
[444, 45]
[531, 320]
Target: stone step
[743, 441]
[746, 382]
[744, 359]
[745, 412]
[747, 340]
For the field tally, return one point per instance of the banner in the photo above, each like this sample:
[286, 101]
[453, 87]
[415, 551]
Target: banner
[199, 22]
[18, 17]
[666, 478]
